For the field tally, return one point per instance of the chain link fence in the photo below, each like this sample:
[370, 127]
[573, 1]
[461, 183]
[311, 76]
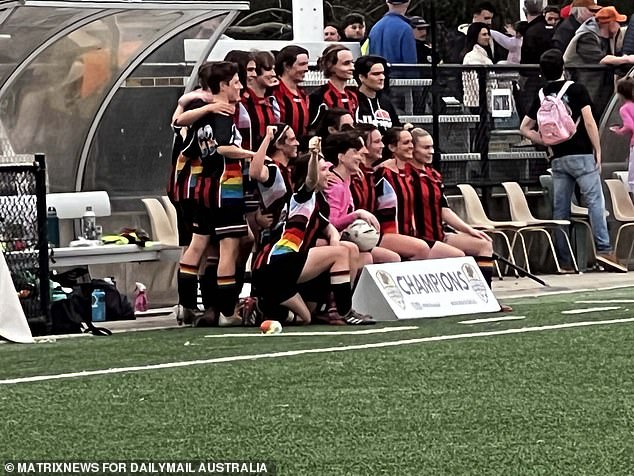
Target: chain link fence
[23, 234]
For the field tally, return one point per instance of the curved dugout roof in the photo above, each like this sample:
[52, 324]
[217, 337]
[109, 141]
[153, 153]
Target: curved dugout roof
[67, 85]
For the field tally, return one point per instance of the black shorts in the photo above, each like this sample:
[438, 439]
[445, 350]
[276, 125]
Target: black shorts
[219, 223]
[277, 281]
[185, 219]
[230, 222]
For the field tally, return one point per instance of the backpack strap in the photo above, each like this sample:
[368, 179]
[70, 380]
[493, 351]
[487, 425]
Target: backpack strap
[96, 331]
[564, 88]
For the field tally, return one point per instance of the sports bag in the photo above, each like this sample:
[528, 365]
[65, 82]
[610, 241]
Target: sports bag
[554, 118]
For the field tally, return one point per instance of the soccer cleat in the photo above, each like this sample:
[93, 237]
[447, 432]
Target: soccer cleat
[208, 318]
[229, 321]
[250, 312]
[184, 315]
[354, 318]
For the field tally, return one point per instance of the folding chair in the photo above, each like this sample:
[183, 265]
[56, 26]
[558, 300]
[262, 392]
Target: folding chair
[520, 211]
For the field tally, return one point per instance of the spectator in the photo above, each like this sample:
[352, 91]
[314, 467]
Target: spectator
[552, 15]
[595, 43]
[337, 64]
[575, 161]
[539, 33]
[423, 46]
[331, 33]
[291, 65]
[580, 11]
[482, 13]
[475, 52]
[628, 41]
[374, 106]
[625, 88]
[392, 37]
[353, 28]
[512, 43]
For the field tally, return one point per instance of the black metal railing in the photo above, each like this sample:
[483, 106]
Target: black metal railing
[23, 235]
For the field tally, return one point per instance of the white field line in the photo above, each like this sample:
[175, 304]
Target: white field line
[591, 309]
[377, 345]
[323, 333]
[607, 301]
[493, 319]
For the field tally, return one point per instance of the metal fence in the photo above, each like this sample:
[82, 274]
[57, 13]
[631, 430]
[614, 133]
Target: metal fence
[23, 237]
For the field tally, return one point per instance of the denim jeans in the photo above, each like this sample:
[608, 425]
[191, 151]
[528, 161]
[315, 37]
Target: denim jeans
[581, 169]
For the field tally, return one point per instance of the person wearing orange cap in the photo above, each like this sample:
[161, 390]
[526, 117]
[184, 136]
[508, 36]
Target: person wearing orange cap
[595, 43]
[580, 11]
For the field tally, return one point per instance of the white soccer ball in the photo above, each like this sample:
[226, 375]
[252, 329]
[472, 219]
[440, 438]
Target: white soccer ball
[361, 234]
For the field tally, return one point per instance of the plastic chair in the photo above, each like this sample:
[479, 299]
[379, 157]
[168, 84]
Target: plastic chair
[171, 213]
[161, 228]
[477, 218]
[623, 210]
[578, 216]
[520, 211]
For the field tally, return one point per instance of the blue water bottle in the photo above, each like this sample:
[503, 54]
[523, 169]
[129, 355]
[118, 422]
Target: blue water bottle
[98, 305]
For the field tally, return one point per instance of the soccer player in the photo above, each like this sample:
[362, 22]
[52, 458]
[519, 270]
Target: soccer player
[291, 65]
[337, 64]
[375, 107]
[217, 162]
[282, 267]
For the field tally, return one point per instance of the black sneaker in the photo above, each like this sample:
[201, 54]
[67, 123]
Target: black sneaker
[354, 318]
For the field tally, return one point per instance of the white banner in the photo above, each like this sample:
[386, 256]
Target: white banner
[420, 289]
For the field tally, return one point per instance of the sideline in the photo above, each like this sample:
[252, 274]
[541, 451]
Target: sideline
[382, 330]
[377, 345]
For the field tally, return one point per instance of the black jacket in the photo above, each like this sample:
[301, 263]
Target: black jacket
[564, 33]
[537, 39]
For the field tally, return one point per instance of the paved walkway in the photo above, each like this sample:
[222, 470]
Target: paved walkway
[506, 289]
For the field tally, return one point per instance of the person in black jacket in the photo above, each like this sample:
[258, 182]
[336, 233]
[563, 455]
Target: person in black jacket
[580, 11]
[374, 107]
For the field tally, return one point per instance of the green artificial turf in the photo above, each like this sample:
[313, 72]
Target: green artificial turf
[556, 402]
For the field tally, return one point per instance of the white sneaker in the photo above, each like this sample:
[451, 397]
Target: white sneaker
[231, 321]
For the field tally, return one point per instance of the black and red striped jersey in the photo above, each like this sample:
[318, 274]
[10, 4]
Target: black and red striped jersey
[428, 204]
[330, 97]
[403, 184]
[263, 111]
[306, 222]
[293, 108]
[218, 178]
[181, 183]
[363, 189]
[386, 203]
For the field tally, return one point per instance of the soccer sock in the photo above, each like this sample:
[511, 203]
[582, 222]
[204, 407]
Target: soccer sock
[209, 282]
[187, 285]
[228, 292]
[485, 263]
[340, 285]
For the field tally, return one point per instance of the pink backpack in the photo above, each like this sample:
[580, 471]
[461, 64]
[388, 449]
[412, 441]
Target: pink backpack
[554, 118]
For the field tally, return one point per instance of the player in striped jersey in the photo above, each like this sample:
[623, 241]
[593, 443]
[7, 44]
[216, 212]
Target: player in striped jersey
[261, 106]
[345, 150]
[282, 267]
[219, 192]
[337, 64]
[180, 190]
[375, 193]
[270, 167]
[291, 65]
[432, 212]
